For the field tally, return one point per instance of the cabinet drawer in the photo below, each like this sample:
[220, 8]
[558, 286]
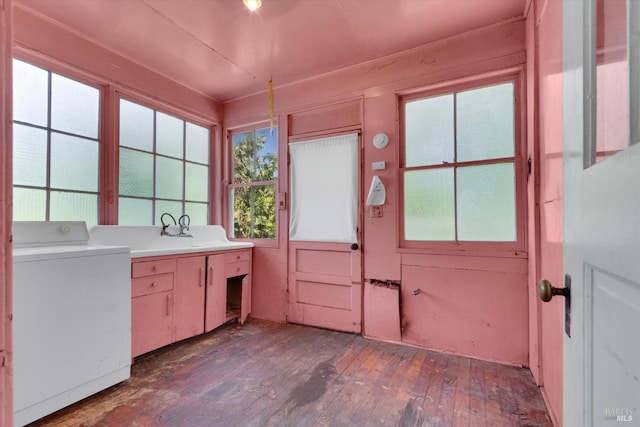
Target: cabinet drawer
[147, 268]
[237, 256]
[151, 284]
[236, 268]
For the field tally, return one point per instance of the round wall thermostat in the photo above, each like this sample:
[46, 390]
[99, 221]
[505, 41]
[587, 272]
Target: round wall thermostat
[380, 140]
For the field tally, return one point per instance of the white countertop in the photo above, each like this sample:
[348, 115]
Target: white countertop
[146, 241]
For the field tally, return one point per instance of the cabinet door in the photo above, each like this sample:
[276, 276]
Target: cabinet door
[151, 322]
[189, 297]
[245, 308]
[216, 294]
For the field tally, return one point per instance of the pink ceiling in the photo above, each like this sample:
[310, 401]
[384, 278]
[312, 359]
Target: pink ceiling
[221, 49]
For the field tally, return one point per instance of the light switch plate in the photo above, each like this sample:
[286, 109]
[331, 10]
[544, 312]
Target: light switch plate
[378, 166]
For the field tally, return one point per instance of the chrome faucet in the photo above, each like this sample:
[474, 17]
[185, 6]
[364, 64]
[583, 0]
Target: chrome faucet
[184, 221]
[164, 231]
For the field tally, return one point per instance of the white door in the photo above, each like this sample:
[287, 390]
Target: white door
[325, 262]
[602, 211]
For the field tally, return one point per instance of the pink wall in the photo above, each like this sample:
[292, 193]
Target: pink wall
[544, 29]
[482, 52]
[376, 85]
[6, 177]
[36, 37]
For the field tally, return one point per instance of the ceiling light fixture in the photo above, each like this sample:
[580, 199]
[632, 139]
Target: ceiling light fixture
[252, 4]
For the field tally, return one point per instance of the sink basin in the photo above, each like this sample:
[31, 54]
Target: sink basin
[147, 241]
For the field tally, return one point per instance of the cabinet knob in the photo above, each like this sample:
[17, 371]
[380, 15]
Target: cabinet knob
[153, 284]
[154, 268]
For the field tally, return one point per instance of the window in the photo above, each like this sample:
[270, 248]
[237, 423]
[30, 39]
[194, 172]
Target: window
[459, 166]
[56, 139]
[252, 192]
[164, 167]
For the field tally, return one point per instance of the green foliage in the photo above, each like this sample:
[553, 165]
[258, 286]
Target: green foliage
[254, 214]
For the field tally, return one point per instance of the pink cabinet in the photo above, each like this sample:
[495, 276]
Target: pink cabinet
[178, 297]
[238, 285]
[189, 294]
[216, 292]
[228, 288]
[152, 305]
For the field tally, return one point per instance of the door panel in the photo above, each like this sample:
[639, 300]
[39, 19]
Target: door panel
[601, 223]
[325, 273]
[325, 285]
[616, 355]
[189, 299]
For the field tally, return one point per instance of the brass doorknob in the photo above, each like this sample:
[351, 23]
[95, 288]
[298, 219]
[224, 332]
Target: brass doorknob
[547, 291]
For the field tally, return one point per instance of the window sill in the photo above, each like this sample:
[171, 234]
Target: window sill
[480, 250]
[259, 243]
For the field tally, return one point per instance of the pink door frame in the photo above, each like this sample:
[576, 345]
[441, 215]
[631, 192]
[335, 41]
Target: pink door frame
[6, 178]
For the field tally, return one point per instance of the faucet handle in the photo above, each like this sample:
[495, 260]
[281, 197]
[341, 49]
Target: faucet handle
[184, 221]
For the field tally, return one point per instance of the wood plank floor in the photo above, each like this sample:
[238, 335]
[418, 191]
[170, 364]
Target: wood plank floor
[266, 373]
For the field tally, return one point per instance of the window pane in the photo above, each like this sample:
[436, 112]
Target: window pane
[169, 175]
[612, 79]
[241, 202]
[75, 107]
[169, 135]
[136, 126]
[486, 203]
[136, 173]
[428, 205]
[429, 131]
[30, 93]
[198, 213]
[244, 154]
[484, 119]
[197, 143]
[29, 156]
[29, 204]
[264, 212]
[74, 206]
[162, 206]
[267, 158]
[74, 163]
[196, 180]
[135, 211]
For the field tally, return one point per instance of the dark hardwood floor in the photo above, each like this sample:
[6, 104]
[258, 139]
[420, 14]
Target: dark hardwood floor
[266, 373]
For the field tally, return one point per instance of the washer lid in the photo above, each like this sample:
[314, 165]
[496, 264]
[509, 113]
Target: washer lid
[41, 253]
[49, 233]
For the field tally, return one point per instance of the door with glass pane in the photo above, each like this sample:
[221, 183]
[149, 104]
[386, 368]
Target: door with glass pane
[601, 119]
[325, 263]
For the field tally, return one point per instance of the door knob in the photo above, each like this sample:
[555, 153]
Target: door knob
[354, 247]
[547, 291]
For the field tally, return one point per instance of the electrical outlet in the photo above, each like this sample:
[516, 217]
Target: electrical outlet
[375, 211]
[282, 201]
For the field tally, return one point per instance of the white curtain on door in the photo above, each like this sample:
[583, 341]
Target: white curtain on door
[324, 189]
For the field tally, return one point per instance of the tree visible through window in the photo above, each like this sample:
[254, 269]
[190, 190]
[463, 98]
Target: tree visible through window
[252, 192]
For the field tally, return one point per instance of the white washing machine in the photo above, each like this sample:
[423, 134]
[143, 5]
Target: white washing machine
[71, 317]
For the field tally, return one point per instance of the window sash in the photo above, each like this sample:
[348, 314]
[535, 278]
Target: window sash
[516, 160]
[250, 180]
[65, 201]
[158, 198]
